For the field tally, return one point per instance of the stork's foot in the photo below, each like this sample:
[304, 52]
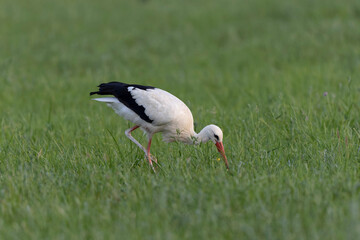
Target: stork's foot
[152, 167]
[153, 158]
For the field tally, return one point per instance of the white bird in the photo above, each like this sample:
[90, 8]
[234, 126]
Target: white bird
[155, 110]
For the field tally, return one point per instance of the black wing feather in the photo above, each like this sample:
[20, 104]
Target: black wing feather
[121, 92]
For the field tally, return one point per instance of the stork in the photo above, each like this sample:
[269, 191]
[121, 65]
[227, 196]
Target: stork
[154, 110]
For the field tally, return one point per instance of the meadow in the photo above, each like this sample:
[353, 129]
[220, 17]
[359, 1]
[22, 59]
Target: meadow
[281, 78]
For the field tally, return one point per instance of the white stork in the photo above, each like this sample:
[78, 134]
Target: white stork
[155, 110]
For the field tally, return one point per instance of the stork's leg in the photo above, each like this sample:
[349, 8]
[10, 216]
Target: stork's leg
[147, 152]
[149, 155]
[128, 134]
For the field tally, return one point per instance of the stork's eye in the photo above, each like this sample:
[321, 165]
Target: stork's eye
[216, 137]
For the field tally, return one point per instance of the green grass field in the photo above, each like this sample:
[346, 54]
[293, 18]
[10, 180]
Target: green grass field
[258, 69]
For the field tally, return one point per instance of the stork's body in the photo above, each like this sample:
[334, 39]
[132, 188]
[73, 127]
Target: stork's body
[155, 110]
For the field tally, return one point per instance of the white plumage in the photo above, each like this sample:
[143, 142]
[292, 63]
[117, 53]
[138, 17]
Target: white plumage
[155, 110]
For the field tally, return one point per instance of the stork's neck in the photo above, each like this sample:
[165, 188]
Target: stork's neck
[203, 136]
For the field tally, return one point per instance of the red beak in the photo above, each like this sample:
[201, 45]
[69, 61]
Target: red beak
[220, 148]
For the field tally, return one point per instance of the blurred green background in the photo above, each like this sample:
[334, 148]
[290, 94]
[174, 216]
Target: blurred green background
[280, 77]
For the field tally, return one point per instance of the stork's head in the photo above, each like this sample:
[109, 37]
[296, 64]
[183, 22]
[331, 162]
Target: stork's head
[214, 133]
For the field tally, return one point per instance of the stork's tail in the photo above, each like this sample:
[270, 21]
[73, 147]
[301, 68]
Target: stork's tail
[107, 100]
[109, 88]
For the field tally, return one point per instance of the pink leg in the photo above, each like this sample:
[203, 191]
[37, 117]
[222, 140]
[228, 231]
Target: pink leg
[128, 134]
[147, 152]
[149, 155]
[132, 129]
[152, 158]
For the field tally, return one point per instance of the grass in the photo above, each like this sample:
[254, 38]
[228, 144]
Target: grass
[258, 69]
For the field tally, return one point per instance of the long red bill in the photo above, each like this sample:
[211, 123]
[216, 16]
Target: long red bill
[220, 148]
